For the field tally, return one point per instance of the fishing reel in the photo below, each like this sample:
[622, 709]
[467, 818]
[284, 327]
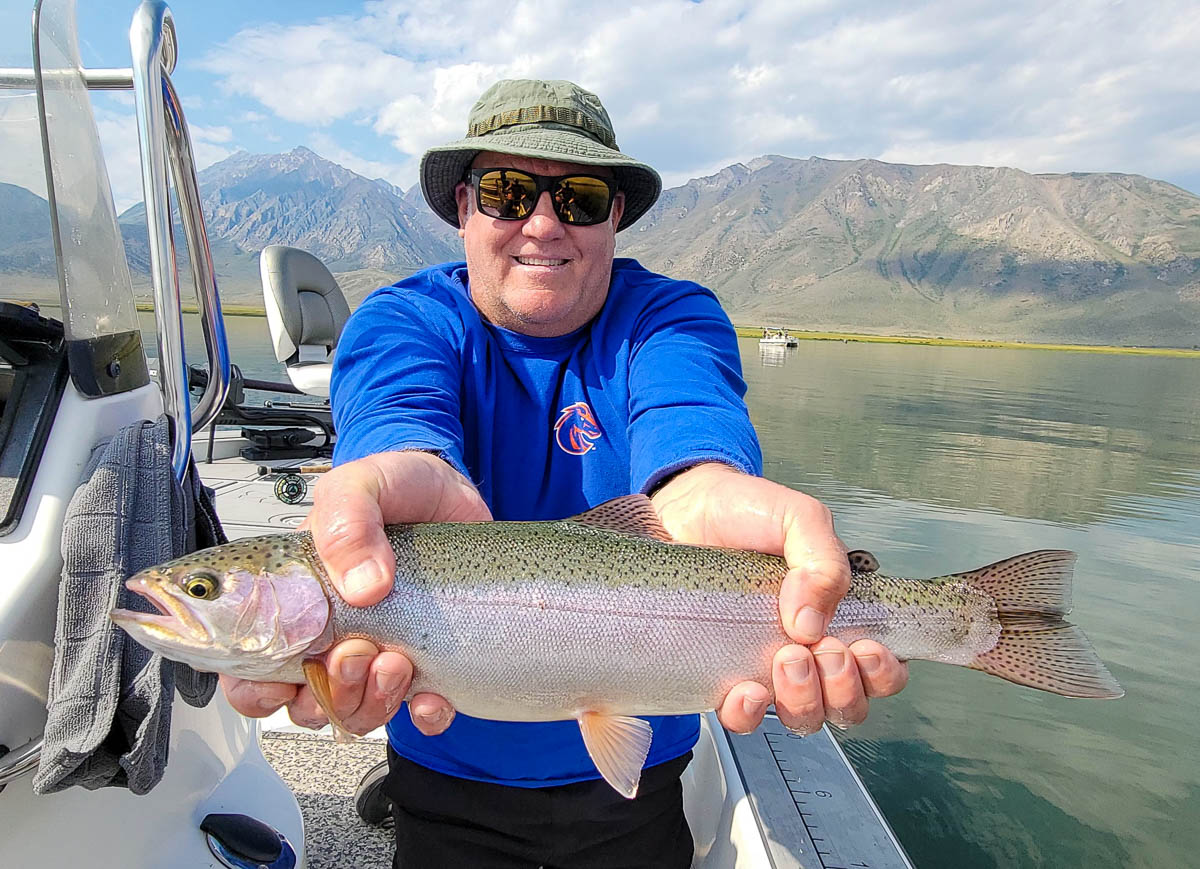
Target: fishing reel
[291, 488]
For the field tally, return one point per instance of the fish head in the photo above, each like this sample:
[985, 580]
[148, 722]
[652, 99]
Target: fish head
[252, 608]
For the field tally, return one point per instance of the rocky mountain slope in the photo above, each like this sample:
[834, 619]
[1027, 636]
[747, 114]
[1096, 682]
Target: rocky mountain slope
[963, 251]
[952, 250]
[350, 222]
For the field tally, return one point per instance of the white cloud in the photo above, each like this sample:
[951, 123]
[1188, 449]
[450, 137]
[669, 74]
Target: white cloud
[1083, 85]
[211, 134]
[119, 139]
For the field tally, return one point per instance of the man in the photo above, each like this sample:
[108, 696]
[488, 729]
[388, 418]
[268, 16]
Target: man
[538, 380]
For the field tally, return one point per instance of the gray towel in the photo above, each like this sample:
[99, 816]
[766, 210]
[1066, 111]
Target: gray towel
[110, 699]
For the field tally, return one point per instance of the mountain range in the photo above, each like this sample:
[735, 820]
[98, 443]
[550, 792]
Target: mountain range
[847, 245]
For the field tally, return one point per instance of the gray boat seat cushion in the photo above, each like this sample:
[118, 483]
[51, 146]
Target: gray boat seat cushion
[306, 312]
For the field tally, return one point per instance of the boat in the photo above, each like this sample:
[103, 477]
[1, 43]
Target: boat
[74, 371]
[778, 338]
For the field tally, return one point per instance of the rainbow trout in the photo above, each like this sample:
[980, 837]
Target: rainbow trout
[596, 618]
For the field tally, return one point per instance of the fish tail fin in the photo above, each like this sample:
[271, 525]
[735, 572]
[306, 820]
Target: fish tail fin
[1037, 646]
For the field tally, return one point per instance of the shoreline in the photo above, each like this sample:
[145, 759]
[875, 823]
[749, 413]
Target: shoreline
[745, 331]
[845, 337]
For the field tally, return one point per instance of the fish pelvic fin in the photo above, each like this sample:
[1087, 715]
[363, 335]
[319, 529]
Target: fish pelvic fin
[317, 678]
[618, 745]
[1037, 647]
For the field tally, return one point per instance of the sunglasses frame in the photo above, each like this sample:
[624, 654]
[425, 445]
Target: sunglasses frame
[545, 184]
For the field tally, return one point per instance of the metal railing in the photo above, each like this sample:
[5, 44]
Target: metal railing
[164, 140]
[163, 137]
[161, 123]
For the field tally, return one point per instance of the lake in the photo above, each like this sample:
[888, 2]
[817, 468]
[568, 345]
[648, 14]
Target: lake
[942, 459]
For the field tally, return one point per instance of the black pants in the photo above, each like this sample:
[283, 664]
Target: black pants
[443, 821]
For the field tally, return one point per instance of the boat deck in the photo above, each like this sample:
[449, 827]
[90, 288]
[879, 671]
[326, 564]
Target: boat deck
[793, 802]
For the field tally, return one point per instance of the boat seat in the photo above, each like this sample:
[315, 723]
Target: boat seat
[306, 312]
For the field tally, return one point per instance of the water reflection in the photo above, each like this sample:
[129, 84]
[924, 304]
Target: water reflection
[945, 459]
[1059, 436]
[772, 355]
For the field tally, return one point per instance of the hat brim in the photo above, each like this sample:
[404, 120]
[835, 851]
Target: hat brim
[444, 166]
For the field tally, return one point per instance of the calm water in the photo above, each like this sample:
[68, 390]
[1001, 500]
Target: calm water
[941, 459]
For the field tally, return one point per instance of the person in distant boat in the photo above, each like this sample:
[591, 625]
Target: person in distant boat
[536, 380]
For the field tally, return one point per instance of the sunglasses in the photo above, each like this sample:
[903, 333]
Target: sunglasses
[509, 194]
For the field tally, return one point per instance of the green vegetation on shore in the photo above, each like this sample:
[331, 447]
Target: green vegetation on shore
[226, 310]
[756, 331]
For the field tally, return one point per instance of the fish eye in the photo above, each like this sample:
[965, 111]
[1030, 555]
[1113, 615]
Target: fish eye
[202, 586]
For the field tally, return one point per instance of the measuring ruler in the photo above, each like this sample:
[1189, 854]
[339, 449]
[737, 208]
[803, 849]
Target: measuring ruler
[811, 806]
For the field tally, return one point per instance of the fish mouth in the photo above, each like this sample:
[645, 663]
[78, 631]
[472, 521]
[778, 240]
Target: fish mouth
[173, 620]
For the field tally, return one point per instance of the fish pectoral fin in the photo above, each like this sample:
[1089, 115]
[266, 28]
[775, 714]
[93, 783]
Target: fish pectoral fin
[862, 561]
[629, 514]
[618, 745]
[317, 678]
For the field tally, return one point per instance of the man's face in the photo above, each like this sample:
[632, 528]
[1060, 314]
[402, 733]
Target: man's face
[536, 276]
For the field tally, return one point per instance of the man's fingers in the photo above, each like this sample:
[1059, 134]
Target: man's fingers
[810, 595]
[430, 713]
[744, 707]
[347, 528]
[349, 664]
[306, 711]
[881, 673]
[387, 683]
[256, 699]
[799, 701]
[353, 502]
[844, 697]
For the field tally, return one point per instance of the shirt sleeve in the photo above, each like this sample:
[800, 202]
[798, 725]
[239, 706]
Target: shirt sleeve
[686, 391]
[396, 379]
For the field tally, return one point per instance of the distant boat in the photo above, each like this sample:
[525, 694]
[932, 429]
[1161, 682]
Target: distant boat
[778, 338]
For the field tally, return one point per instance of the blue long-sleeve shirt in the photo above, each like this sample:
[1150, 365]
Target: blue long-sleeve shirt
[545, 428]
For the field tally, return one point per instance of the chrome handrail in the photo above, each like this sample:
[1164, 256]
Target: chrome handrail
[151, 36]
[187, 190]
[96, 79]
[153, 31]
[20, 760]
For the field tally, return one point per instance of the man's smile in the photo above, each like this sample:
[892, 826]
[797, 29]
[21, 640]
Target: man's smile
[540, 261]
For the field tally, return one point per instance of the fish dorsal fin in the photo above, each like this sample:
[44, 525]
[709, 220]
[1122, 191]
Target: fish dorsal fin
[318, 680]
[618, 745]
[1036, 582]
[862, 561]
[629, 514]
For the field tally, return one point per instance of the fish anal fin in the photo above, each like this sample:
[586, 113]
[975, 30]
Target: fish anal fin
[618, 745]
[629, 514]
[1036, 582]
[317, 678]
[862, 561]
[1047, 653]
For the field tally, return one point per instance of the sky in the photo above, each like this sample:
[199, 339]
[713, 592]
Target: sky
[1039, 85]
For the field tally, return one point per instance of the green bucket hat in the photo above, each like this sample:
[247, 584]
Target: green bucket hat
[550, 120]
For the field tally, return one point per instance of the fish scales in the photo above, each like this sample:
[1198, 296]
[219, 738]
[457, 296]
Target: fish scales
[503, 617]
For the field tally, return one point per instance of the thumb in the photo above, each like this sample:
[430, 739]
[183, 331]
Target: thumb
[347, 528]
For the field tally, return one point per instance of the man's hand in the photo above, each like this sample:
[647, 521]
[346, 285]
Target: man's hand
[351, 504]
[817, 678]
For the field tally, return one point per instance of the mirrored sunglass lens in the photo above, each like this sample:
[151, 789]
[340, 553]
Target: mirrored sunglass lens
[581, 200]
[509, 195]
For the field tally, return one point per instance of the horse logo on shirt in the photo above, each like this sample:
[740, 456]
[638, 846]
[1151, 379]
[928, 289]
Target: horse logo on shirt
[577, 430]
